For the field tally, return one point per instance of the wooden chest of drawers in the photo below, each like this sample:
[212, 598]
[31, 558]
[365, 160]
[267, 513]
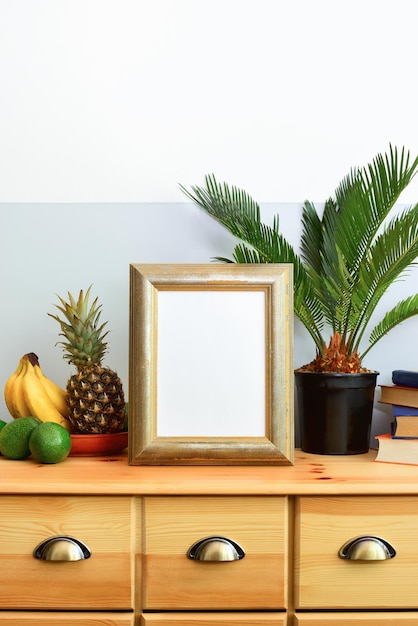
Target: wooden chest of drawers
[288, 525]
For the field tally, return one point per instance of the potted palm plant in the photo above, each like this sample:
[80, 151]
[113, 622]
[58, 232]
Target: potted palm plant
[350, 254]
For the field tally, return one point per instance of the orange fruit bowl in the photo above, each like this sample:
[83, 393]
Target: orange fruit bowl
[98, 445]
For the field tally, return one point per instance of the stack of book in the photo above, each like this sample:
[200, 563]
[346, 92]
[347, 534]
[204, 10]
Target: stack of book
[401, 444]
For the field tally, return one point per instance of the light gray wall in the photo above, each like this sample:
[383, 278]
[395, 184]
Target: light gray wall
[40, 258]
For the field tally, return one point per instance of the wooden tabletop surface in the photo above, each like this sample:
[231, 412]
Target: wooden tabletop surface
[310, 474]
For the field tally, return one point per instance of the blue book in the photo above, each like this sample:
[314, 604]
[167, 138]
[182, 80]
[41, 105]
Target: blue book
[405, 378]
[397, 409]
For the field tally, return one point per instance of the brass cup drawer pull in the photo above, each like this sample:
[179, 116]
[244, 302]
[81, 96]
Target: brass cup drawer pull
[216, 549]
[367, 548]
[62, 548]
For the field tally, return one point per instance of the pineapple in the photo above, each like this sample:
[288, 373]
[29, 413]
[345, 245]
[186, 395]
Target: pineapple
[94, 393]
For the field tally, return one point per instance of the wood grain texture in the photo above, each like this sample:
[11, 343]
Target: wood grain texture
[140, 521]
[104, 581]
[311, 474]
[356, 619]
[42, 618]
[213, 619]
[173, 581]
[324, 580]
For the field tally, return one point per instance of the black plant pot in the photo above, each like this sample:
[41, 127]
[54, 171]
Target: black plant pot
[335, 411]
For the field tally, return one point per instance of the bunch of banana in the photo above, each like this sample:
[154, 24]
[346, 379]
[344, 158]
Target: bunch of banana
[29, 392]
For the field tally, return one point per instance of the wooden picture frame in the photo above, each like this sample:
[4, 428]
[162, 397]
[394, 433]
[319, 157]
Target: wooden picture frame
[211, 364]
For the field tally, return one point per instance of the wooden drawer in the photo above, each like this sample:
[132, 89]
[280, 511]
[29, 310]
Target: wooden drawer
[7, 618]
[214, 619]
[324, 580]
[357, 619]
[103, 581]
[174, 581]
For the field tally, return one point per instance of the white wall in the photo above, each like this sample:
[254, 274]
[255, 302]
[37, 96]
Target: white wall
[119, 100]
[107, 105]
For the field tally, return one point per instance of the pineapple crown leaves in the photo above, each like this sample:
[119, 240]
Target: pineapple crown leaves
[348, 257]
[84, 335]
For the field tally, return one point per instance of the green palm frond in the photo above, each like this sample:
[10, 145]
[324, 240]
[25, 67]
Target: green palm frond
[312, 241]
[391, 255]
[232, 207]
[400, 313]
[337, 285]
[349, 257]
[244, 254]
[365, 199]
[306, 306]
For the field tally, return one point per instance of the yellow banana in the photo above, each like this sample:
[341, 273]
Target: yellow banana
[56, 394]
[37, 399]
[20, 407]
[8, 387]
